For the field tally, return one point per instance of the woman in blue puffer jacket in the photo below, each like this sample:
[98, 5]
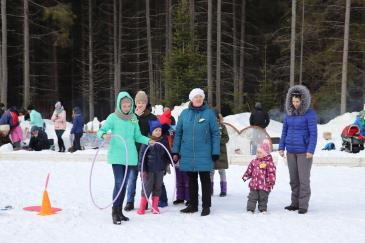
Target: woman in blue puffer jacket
[299, 138]
[197, 144]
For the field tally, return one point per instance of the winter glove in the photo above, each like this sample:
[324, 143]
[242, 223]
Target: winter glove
[175, 157]
[244, 178]
[215, 157]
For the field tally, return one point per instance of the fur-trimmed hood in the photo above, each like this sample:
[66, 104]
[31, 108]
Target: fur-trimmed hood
[305, 100]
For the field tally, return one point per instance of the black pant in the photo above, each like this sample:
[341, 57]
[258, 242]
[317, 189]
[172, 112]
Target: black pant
[61, 145]
[194, 188]
[76, 144]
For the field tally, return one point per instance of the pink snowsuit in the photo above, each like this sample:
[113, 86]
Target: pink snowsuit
[261, 178]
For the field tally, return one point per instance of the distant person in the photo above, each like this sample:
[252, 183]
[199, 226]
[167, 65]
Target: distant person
[77, 128]
[360, 122]
[35, 117]
[2, 109]
[259, 118]
[10, 118]
[39, 139]
[59, 119]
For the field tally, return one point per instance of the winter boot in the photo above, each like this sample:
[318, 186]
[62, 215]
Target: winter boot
[302, 211]
[155, 209]
[189, 209]
[121, 215]
[178, 201]
[129, 206]
[142, 206]
[223, 189]
[291, 208]
[115, 216]
[205, 212]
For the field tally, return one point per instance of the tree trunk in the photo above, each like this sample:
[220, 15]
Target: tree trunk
[4, 54]
[242, 54]
[149, 44]
[345, 57]
[55, 72]
[209, 53]
[91, 81]
[168, 38]
[120, 44]
[234, 56]
[26, 98]
[192, 16]
[218, 68]
[292, 43]
[301, 47]
[115, 50]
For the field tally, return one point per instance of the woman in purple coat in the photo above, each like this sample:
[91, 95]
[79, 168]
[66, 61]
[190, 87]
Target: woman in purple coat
[299, 138]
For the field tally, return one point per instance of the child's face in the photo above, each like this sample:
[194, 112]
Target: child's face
[259, 154]
[140, 106]
[126, 107]
[157, 132]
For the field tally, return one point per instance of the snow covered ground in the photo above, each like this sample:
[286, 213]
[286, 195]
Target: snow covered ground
[336, 211]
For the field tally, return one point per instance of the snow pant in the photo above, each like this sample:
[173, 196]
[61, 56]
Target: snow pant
[119, 171]
[61, 145]
[76, 144]
[194, 188]
[299, 171]
[152, 182]
[132, 181]
[257, 196]
[182, 185]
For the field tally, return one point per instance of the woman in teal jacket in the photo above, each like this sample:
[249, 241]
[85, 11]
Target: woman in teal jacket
[197, 145]
[124, 123]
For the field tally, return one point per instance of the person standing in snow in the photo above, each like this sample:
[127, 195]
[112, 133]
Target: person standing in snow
[222, 163]
[124, 123]
[144, 115]
[197, 145]
[262, 172]
[299, 138]
[360, 122]
[35, 117]
[154, 166]
[77, 128]
[59, 119]
[11, 118]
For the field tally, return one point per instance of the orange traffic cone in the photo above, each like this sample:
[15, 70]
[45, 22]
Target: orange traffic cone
[46, 208]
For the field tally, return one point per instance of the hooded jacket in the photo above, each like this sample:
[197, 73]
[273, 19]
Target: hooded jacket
[127, 129]
[299, 134]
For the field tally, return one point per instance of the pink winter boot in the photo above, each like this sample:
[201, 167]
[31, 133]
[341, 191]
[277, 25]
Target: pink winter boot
[155, 209]
[142, 206]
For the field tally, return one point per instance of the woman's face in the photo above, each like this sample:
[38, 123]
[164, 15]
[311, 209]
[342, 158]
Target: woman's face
[140, 106]
[296, 102]
[126, 106]
[198, 101]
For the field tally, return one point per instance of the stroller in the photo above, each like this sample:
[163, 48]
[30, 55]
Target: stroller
[352, 141]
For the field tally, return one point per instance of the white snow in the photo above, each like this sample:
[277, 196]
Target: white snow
[335, 215]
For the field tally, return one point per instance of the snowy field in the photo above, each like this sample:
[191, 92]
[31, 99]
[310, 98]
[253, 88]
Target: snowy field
[336, 212]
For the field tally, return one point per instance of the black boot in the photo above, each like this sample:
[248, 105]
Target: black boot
[291, 208]
[121, 215]
[115, 216]
[205, 212]
[129, 206]
[302, 211]
[178, 201]
[189, 209]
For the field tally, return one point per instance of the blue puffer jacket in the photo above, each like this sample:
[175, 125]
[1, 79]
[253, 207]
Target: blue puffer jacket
[156, 158]
[197, 138]
[78, 122]
[299, 134]
[360, 122]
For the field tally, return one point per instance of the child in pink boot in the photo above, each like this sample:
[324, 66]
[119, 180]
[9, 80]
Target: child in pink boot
[262, 172]
[154, 166]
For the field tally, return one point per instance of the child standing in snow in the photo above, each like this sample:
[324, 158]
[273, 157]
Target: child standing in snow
[123, 122]
[154, 166]
[262, 172]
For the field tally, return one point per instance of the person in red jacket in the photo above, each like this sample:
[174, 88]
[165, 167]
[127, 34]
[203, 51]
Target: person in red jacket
[262, 172]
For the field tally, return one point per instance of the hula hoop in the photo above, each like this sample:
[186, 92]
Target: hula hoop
[125, 173]
[142, 166]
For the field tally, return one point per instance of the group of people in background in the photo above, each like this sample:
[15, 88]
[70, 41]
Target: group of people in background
[196, 145]
[17, 126]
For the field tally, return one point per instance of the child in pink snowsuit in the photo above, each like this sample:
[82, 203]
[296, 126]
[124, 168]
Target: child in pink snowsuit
[262, 172]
